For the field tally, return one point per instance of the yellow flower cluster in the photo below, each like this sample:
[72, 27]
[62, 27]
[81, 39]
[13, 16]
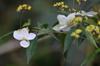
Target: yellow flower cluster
[76, 34]
[90, 28]
[95, 30]
[76, 20]
[61, 5]
[23, 7]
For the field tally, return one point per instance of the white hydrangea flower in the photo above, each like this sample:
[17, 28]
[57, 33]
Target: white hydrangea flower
[63, 22]
[24, 36]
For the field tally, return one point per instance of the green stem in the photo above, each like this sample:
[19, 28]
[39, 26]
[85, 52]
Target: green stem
[5, 35]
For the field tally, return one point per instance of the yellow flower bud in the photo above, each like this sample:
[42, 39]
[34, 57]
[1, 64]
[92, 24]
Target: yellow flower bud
[62, 6]
[78, 31]
[97, 29]
[66, 6]
[19, 8]
[78, 19]
[58, 4]
[55, 5]
[98, 22]
[24, 5]
[29, 8]
[62, 3]
[90, 28]
[75, 35]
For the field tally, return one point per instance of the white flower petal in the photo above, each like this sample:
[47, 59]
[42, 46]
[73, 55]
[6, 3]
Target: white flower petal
[66, 29]
[60, 28]
[24, 44]
[30, 36]
[70, 17]
[24, 31]
[18, 35]
[62, 19]
[63, 22]
[91, 13]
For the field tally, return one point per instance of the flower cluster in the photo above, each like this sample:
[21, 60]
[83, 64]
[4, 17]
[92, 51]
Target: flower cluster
[24, 36]
[60, 5]
[77, 33]
[23, 7]
[90, 28]
[76, 20]
[95, 30]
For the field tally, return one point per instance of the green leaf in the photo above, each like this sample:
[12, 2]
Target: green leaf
[43, 31]
[31, 50]
[90, 38]
[27, 23]
[79, 41]
[90, 57]
[68, 41]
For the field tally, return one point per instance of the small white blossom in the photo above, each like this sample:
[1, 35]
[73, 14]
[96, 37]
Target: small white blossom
[63, 22]
[24, 36]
